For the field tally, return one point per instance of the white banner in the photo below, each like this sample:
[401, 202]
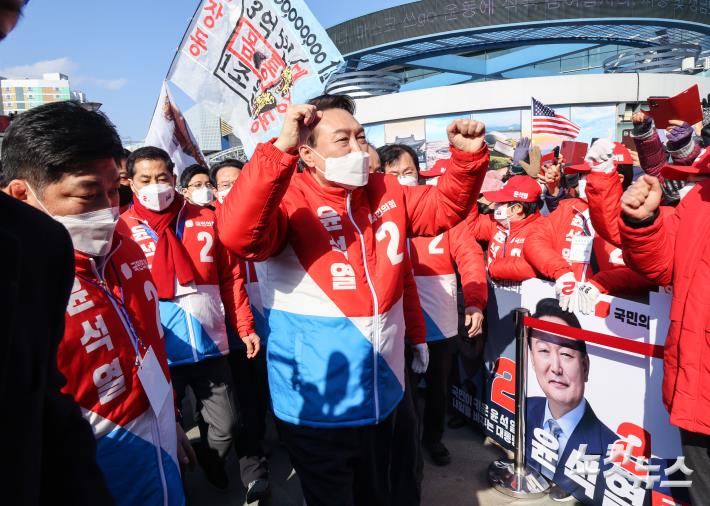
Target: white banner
[169, 131]
[247, 60]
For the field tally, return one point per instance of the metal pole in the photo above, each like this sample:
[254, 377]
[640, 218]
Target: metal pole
[514, 477]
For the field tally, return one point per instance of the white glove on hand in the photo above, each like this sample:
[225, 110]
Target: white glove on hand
[566, 290]
[601, 156]
[420, 360]
[587, 295]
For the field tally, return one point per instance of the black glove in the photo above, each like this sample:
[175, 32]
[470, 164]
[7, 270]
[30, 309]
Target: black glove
[705, 132]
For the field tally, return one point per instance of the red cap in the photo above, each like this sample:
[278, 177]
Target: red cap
[583, 167]
[437, 169]
[516, 189]
[548, 157]
[699, 167]
[622, 155]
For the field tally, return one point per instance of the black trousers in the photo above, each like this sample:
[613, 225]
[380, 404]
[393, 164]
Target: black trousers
[696, 449]
[437, 389]
[342, 466]
[407, 466]
[211, 381]
[251, 390]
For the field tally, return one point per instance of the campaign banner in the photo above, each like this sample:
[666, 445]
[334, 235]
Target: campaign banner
[595, 422]
[169, 130]
[247, 60]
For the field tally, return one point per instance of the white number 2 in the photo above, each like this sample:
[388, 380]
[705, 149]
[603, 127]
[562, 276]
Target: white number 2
[434, 248]
[389, 228]
[204, 252]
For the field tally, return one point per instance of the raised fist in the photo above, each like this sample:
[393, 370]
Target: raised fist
[642, 198]
[639, 117]
[299, 120]
[466, 135]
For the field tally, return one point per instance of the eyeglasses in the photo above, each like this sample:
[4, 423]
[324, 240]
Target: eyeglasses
[225, 185]
[197, 186]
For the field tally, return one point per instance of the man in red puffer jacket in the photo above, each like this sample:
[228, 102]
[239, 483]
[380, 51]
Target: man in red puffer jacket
[677, 250]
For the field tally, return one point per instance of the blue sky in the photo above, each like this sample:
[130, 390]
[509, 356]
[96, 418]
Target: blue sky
[119, 52]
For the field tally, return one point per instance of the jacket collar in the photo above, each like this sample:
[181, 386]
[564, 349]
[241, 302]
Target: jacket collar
[92, 268]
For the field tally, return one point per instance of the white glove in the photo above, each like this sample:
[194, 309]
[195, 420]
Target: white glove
[420, 360]
[566, 290]
[587, 295]
[601, 156]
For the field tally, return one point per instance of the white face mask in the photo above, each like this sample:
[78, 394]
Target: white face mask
[407, 180]
[91, 233]
[222, 194]
[156, 197]
[350, 171]
[581, 189]
[202, 196]
[500, 214]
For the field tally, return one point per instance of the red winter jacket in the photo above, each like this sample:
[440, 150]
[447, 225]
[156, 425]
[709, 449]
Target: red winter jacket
[331, 266]
[677, 250]
[433, 260]
[505, 260]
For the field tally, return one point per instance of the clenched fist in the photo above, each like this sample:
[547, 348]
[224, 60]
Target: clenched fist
[298, 122]
[642, 198]
[466, 135]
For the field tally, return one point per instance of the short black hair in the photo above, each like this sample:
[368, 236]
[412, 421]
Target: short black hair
[148, 153]
[325, 102]
[227, 162]
[190, 172]
[551, 307]
[126, 154]
[48, 141]
[390, 153]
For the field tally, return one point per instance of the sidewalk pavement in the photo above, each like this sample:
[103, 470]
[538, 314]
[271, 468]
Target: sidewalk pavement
[462, 483]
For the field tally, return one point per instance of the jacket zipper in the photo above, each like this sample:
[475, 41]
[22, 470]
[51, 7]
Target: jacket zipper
[154, 428]
[376, 315]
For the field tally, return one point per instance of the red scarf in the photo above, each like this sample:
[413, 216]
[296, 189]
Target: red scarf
[170, 258]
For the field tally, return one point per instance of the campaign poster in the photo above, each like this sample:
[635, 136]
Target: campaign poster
[483, 380]
[437, 140]
[248, 60]
[595, 122]
[595, 422]
[410, 132]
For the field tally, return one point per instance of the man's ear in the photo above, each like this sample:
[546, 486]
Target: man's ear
[307, 155]
[18, 189]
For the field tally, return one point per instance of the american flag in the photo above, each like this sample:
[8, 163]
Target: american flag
[545, 121]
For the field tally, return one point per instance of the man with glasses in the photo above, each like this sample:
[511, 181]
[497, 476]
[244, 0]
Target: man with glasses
[196, 186]
[223, 175]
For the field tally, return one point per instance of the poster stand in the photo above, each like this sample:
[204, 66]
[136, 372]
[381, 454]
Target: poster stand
[514, 477]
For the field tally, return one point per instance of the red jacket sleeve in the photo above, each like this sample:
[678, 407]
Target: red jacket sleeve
[620, 281]
[511, 269]
[482, 227]
[649, 250]
[232, 288]
[604, 197]
[251, 221]
[539, 248]
[415, 328]
[435, 209]
[468, 255]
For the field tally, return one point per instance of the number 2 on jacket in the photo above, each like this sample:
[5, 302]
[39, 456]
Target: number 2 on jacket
[389, 228]
[205, 251]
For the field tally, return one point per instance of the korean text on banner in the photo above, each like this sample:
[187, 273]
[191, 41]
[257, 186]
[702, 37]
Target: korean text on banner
[246, 61]
[169, 131]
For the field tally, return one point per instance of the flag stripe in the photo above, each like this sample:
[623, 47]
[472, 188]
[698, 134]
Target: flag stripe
[546, 121]
[562, 128]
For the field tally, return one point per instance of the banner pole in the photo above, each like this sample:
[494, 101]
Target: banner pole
[514, 477]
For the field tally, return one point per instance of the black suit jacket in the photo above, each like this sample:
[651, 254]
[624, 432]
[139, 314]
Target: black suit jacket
[48, 447]
[590, 431]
